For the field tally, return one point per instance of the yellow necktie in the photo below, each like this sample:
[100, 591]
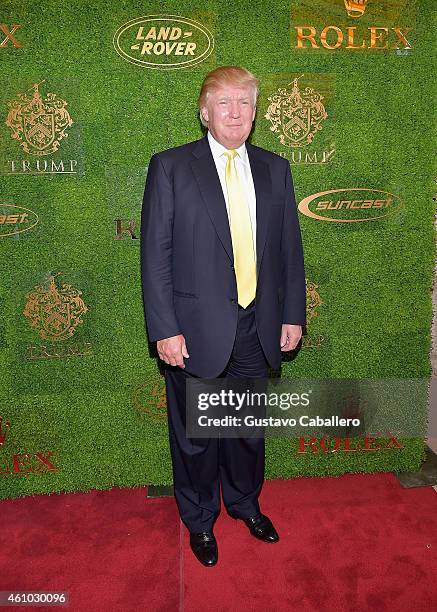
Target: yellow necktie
[241, 234]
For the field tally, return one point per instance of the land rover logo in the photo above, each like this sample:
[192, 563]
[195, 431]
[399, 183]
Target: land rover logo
[350, 205]
[16, 219]
[163, 42]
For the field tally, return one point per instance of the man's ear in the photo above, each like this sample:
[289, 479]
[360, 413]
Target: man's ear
[204, 113]
[254, 113]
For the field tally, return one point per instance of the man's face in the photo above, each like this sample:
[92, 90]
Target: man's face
[230, 112]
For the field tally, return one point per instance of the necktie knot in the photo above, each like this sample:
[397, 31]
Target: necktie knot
[230, 154]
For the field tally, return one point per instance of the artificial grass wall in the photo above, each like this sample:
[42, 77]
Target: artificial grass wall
[87, 410]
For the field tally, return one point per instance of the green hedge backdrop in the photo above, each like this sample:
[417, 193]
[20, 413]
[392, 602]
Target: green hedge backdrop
[82, 398]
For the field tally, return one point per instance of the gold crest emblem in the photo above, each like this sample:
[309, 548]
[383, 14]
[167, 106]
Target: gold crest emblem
[355, 8]
[296, 116]
[38, 123]
[149, 398]
[55, 312]
[313, 299]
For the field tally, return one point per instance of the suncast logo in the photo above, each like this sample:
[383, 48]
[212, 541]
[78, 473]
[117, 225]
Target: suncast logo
[163, 42]
[16, 219]
[350, 205]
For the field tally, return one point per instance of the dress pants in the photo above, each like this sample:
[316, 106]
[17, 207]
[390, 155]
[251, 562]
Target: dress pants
[200, 465]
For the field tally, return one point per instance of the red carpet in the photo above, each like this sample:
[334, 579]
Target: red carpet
[354, 543]
[103, 547]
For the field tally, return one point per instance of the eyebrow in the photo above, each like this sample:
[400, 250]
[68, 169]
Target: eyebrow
[228, 98]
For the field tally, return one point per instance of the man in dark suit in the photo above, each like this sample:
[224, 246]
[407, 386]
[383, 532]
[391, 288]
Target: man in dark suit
[224, 292]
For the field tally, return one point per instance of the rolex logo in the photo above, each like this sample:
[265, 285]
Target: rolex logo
[10, 35]
[347, 36]
[355, 8]
[4, 428]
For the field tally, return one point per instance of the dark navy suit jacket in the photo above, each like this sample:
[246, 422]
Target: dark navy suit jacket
[188, 278]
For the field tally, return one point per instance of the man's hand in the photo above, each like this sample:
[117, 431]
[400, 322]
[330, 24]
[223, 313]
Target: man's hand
[173, 350]
[290, 336]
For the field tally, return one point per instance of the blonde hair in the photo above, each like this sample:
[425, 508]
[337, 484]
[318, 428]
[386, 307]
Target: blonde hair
[226, 75]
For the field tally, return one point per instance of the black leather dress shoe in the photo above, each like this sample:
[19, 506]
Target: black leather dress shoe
[204, 546]
[262, 528]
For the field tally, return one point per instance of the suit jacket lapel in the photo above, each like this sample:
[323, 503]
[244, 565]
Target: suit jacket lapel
[263, 187]
[210, 187]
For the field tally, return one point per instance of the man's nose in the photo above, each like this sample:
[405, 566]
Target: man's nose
[235, 109]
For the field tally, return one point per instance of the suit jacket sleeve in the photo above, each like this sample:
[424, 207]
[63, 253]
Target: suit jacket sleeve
[156, 253]
[293, 273]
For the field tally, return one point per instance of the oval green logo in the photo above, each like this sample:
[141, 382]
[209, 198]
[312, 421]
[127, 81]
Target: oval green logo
[163, 42]
[16, 219]
[350, 205]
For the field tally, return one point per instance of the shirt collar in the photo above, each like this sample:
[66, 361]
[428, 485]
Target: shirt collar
[218, 149]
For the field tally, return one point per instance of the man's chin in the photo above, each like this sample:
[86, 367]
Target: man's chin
[236, 135]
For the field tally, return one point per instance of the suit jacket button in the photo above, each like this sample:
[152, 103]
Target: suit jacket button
[233, 301]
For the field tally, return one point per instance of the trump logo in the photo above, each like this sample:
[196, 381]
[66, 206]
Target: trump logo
[38, 122]
[53, 311]
[296, 115]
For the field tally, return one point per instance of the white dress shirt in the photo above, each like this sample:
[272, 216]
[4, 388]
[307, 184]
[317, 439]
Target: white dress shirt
[242, 166]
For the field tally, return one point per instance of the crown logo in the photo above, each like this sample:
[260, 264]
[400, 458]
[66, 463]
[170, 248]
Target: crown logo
[313, 299]
[355, 8]
[4, 430]
[38, 123]
[296, 116]
[352, 407]
[55, 312]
